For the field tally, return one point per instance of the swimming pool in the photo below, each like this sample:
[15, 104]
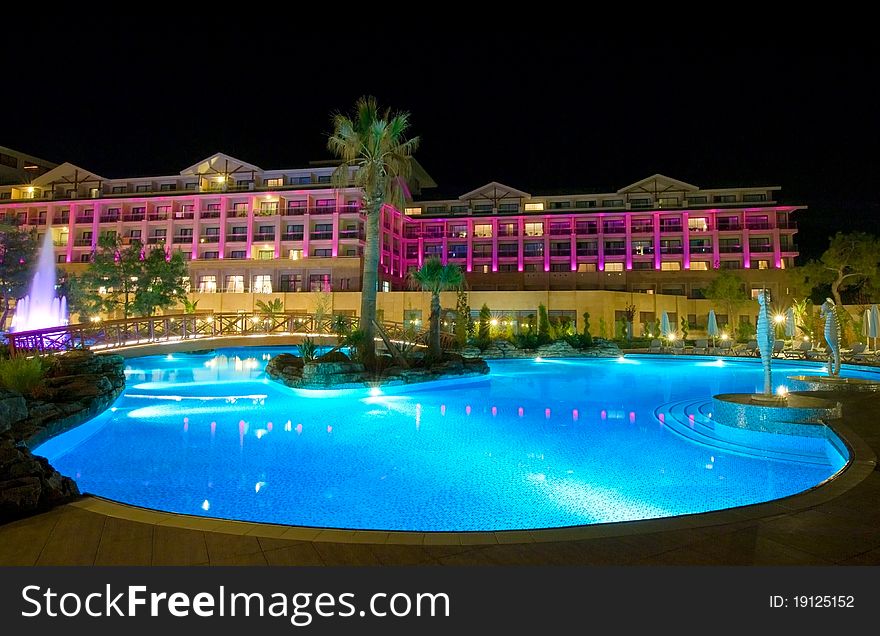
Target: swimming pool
[535, 444]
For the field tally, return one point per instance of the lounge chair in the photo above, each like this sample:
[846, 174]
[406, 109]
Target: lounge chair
[656, 346]
[778, 348]
[701, 347]
[798, 352]
[677, 346]
[869, 357]
[817, 355]
[725, 348]
[749, 349]
[856, 350]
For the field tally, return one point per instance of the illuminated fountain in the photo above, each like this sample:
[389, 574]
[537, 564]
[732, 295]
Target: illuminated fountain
[41, 308]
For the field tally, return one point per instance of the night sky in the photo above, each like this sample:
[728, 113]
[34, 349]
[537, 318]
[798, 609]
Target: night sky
[539, 116]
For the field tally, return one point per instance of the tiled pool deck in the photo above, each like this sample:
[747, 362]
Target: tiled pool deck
[838, 523]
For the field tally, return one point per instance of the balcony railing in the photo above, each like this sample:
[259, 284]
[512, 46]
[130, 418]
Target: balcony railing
[84, 219]
[184, 215]
[701, 249]
[236, 238]
[182, 238]
[507, 233]
[163, 216]
[133, 217]
[730, 249]
[615, 251]
[295, 211]
[791, 247]
[671, 250]
[154, 240]
[236, 257]
[790, 225]
[209, 214]
[265, 237]
[643, 251]
[760, 248]
[586, 231]
[352, 234]
[613, 229]
[209, 238]
[587, 252]
[60, 220]
[108, 218]
[322, 210]
[554, 231]
[729, 227]
[60, 243]
[130, 240]
[758, 226]
[670, 228]
[560, 252]
[292, 236]
[321, 236]
[642, 229]
[82, 242]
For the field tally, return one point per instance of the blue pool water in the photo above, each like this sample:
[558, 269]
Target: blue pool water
[532, 445]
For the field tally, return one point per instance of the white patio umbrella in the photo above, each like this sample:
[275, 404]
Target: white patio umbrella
[712, 326]
[790, 327]
[866, 323]
[664, 325]
[874, 324]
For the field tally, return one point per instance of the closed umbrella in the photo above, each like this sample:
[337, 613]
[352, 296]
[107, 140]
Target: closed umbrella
[712, 326]
[789, 323]
[866, 323]
[664, 325]
[874, 324]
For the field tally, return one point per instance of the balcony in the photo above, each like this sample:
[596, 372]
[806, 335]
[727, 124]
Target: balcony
[295, 211]
[84, 219]
[59, 243]
[670, 228]
[209, 214]
[790, 225]
[184, 215]
[560, 231]
[759, 249]
[792, 247]
[133, 217]
[265, 236]
[587, 252]
[352, 234]
[82, 242]
[643, 251]
[321, 236]
[236, 238]
[615, 251]
[586, 231]
[671, 250]
[157, 217]
[456, 235]
[614, 229]
[507, 233]
[730, 249]
[701, 249]
[181, 238]
[209, 238]
[292, 236]
[60, 220]
[729, 227]
[565, 253]
[350, 209]
[237, 256]
[154, 240]
[210, 256]
[240, 213]
[642, 229]
[108, 218]
[131, 240]
[323, 210]
[758, 226]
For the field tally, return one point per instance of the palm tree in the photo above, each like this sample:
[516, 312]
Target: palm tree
[435, 277]
[375, 158]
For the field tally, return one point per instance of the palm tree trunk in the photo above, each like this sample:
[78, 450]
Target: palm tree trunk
[435, 326]
[370, 280]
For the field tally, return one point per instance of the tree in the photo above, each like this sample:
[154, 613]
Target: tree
[435, 277]
[850, 261]
[129, 278]
[18, 254]
[376, 157]
[462, 318]
[728, 290]
[483, 328]
[543, 324]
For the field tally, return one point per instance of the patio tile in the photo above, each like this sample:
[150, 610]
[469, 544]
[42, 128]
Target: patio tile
[257, 558]
[74, 539]
[400, 554]
[178, 546]
[295, 554]
[228, 545]
[22, 541]
[345, 554]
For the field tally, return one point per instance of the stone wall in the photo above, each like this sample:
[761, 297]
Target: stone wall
[501, 349]
[78, 386]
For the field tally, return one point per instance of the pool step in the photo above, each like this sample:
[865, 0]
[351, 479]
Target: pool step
[691, 420]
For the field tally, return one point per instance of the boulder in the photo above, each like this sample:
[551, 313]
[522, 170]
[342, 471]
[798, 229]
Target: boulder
[13, 408]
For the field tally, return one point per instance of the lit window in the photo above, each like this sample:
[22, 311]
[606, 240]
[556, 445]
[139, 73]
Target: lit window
[235, 283]
[207, 284]
[699, 265]
[613, 267]
[670, 266]
[266, 255]
[275, 183]
[295, 255]
[763, 264]
[586, 267]
[534, 229]
[534, 207]
[698, 224]
[262, 284]
[483, 231]
[412, 211]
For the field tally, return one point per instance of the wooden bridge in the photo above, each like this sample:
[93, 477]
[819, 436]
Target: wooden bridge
[128, 332]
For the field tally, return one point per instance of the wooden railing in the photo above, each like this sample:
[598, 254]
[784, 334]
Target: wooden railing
[114, 334]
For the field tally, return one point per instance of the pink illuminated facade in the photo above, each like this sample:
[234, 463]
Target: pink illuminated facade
[246, 229]
[658, 234]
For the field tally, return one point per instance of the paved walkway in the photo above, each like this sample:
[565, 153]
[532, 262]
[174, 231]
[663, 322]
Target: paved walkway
[836, 524]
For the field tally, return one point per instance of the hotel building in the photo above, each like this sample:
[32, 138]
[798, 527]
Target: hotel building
[247, 229]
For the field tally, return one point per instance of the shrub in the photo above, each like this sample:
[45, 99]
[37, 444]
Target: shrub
[22, 375]
[543, 322]
[485, 317]
[308, 349]
[580, 340]
[684, 328]
[586, 323]
[527, 341]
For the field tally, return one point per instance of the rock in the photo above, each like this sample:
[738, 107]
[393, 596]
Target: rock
[334, 356]
[470, 352]
[19, 496]
[13, 408]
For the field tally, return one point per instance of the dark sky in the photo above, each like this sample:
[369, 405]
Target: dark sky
[538, 115]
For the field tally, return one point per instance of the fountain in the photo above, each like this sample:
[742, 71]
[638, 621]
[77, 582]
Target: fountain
[41, 308]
